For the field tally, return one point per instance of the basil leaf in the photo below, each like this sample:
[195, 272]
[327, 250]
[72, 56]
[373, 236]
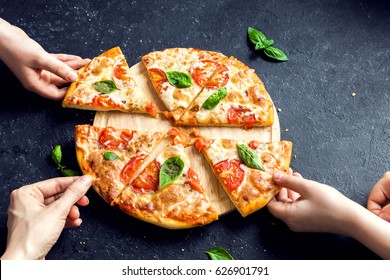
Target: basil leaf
[213, 100]
[268, 43]
[249, 157]
[56, 154]
[110, 156]
[170, 170]
[69, 172]
[219, 253]
[262, 43]
[105, 87]
[179, 79]
[256, 36]
[275, 53]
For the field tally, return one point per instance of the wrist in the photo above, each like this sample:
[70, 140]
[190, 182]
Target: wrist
[20, 251]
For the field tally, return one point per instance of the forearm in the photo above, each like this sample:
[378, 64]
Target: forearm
[7, 32]
[370, 230]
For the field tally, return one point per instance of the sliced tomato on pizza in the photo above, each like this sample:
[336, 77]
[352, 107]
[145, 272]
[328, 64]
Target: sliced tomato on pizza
[179, 74]
[106, 84]
[112, 157]
[233, 96]
[245, 169]
[168, 192]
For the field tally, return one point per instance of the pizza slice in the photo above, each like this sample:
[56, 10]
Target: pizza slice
[112, 156]
[106, 84]
[245, 169]
[168, 193]
[241, 100]
[179, 74]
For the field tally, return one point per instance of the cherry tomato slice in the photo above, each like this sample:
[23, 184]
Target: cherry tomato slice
[120, 72]
[130, 168]
[203, 73]
[158, 77]
[253, 144]
[230, 173]
[220, 78]
[148, 180]
[242, 116]
[201, 144]
[193, 181]
[114, 139]
[104, 101]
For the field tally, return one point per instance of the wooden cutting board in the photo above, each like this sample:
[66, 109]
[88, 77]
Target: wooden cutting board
[144, 122]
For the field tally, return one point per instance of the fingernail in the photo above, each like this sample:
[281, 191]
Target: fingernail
[72, 76]
[86, 179]
[278, 175]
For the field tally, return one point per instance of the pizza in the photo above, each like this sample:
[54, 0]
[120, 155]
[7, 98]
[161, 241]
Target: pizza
[168, 193]
[245, 169]
[112, 156]
[106, 84]
[163, 190]
[241, 100]
[179, 75]
[158, 185]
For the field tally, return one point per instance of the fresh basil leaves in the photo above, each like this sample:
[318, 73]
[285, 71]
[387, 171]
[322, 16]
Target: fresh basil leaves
[249, 156]
[219, 253]
[170, 170]
[179, 79]
[110, 156]
[56, 155]
[105, 87]
[213, 100]
[262, 43]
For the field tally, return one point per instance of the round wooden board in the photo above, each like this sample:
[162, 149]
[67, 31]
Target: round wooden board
[144, 122]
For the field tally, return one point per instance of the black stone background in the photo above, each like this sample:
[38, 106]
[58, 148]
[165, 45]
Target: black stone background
[334, 47]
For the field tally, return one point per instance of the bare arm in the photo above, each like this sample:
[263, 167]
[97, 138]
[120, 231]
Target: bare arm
[38, 71]
[308, 206]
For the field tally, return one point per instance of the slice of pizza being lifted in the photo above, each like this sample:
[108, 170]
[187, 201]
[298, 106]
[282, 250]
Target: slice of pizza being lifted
[241, 100]
[105, 84]
[179, 75]
[112, 157]
[168, 193]
[245, 169]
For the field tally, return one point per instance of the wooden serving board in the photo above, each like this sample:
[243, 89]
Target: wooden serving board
[144, 122]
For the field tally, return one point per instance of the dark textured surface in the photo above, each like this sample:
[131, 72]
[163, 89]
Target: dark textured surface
[335, 48]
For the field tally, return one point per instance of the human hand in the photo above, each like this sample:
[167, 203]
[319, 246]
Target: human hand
[379, 198]
[308, 206]
[37, 70]
[39, 212]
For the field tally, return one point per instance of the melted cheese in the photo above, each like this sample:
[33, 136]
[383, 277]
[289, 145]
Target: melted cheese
[242, 81]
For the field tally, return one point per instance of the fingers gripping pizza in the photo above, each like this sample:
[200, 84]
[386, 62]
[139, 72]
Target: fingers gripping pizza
[106, 84]
[245, 169]
[112, 156]
[168, 193]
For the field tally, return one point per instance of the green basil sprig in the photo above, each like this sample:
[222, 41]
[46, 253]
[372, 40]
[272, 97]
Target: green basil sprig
[56, 155]
[105, 87]
[170, 170]
[110, 156]
[262, 43]
[213, 100]
[219, 253]
[249, 157]
[179, 79]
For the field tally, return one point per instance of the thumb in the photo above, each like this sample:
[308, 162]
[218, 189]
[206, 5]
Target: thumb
[294, 183]
[59, 68]
[385, 213]
[73, 193]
